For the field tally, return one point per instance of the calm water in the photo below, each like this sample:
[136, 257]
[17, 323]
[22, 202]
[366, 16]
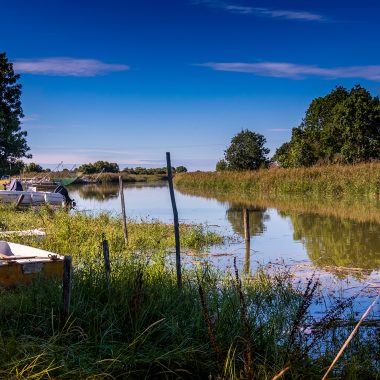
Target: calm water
[294, 238]
[303, 242]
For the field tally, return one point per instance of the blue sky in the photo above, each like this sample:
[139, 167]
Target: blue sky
[126, 81]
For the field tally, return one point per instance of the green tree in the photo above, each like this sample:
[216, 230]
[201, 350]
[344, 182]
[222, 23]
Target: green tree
[246, 151]
[12, 139]
[33, 168]
[343, 126]
[99, 166]
[221, 165]
[181, 169]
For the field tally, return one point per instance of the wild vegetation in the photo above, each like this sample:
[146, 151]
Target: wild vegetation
[141, 326]
[341, 127]
[13, 144]
[247, 151]
[350, 181]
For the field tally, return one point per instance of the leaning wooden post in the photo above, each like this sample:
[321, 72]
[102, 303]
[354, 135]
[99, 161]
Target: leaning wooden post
[176, 224]
[121, 191]
[67, 271]
[106, 255]
[19, 200]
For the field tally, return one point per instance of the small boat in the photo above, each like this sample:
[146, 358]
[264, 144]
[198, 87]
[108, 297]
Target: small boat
[31, 197]
[20, 264]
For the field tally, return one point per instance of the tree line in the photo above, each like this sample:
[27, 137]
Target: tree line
[342, 127]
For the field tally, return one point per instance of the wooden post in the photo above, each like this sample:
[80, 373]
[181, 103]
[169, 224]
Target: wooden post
[247, 234]
[121, 191]
[19, 200]
[176, 224]
[247, 261]
[247, 238]
[106, 255]
[67, 271]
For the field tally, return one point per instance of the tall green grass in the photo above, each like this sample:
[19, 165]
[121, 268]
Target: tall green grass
[362, 180]
[219, 326]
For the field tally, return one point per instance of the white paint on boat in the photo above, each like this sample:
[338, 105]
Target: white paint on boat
[27, 254]
[32, 197]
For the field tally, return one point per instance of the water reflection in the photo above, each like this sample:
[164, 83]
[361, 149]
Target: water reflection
[105, 191]
[257, 219]
[332, 241]
[325, 232]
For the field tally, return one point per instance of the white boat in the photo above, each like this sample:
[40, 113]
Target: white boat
[32, 198]
[21, 263]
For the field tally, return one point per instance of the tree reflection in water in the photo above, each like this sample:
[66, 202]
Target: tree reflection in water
[332, 241]
[256, 221]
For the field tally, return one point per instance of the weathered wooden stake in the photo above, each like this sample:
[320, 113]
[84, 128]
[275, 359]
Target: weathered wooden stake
[121, 191]
[106, 255]
[247, 237]
[176, 223]
[67, 269]
[247, 261]
[19, 200]
[247, 234]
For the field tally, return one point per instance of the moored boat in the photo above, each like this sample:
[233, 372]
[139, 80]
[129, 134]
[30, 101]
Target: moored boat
[31, 197]
[20, 264]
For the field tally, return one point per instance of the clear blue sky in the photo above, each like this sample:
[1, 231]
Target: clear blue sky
[126, 81]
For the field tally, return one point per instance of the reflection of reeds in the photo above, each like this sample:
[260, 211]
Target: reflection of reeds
[355, 188]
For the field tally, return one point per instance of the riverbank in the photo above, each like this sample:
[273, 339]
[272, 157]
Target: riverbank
[222, 325]
[362, 180]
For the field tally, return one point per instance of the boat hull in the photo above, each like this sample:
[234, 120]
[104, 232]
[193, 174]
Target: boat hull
[27, 264]
[32, 197]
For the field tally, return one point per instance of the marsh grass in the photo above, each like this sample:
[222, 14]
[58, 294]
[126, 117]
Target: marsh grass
[142, 326]
[362, 180]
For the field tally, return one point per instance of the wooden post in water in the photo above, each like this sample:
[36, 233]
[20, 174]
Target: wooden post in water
[176, 224]
[66, 285]
[247, 238]
[247, 234]
[107, 264]
[121, 191]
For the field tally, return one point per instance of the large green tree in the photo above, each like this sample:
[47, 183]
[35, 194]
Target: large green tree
[341, 127]
[13, 143]
[246, 151]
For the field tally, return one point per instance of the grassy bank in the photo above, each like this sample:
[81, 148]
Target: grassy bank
[101, 178]
[129, 178]
[220, 326]
[336, 180]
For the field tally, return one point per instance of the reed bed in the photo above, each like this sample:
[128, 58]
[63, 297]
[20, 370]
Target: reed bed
[362, 180]
[219, 326]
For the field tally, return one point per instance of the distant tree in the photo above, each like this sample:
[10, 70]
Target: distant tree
[221, 165]
[246, 151]
[343, 126]
[33, 168]
[99, 166]
[180, 169]
[17, 167]
[12, 139]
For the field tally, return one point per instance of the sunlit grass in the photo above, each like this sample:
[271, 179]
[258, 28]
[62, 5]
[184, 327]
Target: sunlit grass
[142, 326]
[362, 180]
